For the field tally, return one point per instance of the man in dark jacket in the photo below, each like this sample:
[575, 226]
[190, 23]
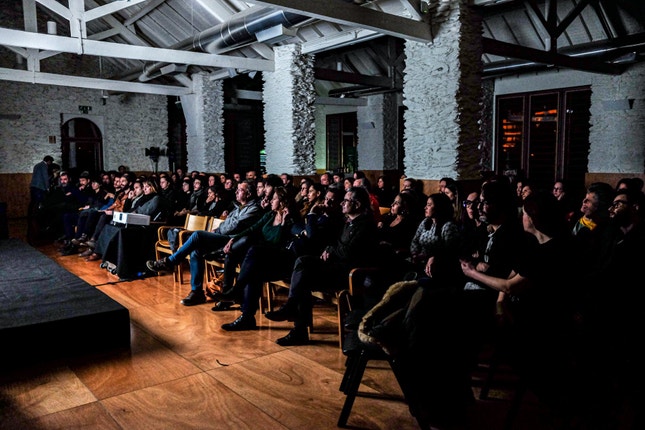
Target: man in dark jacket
[330, 270]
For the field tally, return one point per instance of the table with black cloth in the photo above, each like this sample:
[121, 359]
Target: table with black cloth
[127, 248]
[47, 312]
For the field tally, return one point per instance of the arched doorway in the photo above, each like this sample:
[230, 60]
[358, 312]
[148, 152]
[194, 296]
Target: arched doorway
[82, 146]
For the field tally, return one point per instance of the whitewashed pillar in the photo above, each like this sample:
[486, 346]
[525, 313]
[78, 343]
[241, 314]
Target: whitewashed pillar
[442, 91]
[204, 112]
[289, 122]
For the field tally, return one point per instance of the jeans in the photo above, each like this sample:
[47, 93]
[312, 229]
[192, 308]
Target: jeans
[198, 244]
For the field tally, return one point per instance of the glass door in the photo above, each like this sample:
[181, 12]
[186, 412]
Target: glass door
[543, 138]
[510, 135]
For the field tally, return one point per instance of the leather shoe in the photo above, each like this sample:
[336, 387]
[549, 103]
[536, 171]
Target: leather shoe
[285, 313]
[194, 298]
[295, 337]
[227, 295]
[223, 305]
[243, 322]
[70, 250]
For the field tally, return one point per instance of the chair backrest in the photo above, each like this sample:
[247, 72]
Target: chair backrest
[196, 222]
[214, 223]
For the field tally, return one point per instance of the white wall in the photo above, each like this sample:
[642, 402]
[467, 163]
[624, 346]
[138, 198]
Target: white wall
[617, 133]
[132, 122]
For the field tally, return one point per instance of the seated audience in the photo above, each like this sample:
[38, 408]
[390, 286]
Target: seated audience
[385, 192]
[397, 228]
[267, 258]
[434, 249]
[330, 270]
[201, 243]
[540, 306]
[322, 225]
[145, 201]
[315, 196]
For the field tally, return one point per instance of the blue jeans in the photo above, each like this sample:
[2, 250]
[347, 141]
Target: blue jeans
[198, 244]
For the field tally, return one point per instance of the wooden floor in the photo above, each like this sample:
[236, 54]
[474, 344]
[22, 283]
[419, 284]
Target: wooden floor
[184, 372]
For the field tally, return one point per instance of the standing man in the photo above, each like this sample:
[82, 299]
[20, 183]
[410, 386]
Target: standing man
[38, 190]
[40, 180]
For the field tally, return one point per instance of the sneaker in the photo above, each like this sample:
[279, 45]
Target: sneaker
[243, 322]
[86, 253]
[295, 337]
[91, 243]
[162, 265]
[194, 298]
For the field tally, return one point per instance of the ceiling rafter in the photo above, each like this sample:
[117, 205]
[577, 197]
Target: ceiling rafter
[351, 14]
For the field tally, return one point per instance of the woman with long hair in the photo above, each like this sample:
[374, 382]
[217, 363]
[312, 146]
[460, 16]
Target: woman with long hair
[434, 250]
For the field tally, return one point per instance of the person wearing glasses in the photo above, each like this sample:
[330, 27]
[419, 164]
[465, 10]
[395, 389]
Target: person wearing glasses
[474, 231]
[329, 270]
[612, 315]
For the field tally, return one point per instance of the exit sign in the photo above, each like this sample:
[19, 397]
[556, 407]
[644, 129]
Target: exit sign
[84, 109]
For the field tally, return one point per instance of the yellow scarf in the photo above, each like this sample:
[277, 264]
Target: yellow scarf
[586, 222]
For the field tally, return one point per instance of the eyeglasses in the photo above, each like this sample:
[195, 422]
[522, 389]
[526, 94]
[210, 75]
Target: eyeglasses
[468, 203]
[617, 203]
[557, 189]
[483, 203]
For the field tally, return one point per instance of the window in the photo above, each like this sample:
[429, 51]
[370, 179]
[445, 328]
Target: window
[544, 135]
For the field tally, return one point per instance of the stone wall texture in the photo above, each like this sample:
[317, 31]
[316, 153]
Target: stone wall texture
[204, 112]
[442, 91]
[131, 123]
[289, 117]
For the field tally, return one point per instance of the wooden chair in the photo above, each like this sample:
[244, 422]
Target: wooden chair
[384, 210]
[360, 279]
[162, 246]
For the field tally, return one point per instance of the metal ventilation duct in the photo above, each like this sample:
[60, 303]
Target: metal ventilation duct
[241, 31]
[229, 35]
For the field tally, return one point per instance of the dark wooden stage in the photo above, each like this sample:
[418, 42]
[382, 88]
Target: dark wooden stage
[48, 312]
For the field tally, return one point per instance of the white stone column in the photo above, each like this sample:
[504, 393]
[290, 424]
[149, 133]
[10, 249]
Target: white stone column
[377, 133]
[289, 96]
[442, 91]
[204, 112]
